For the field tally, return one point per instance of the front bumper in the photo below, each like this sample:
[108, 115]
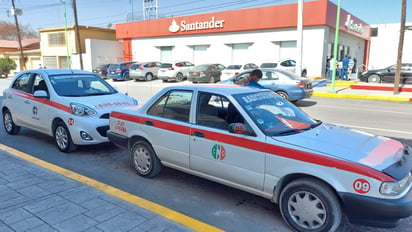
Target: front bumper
[95, 127]
[377, 212]
[199, 79]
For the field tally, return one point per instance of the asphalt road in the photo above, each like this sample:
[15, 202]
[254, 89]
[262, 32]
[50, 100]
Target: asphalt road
[215, 204]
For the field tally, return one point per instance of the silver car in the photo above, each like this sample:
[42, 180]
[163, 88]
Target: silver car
[144, 71]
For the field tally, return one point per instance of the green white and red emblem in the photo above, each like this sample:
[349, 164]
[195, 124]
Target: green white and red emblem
[218, 152]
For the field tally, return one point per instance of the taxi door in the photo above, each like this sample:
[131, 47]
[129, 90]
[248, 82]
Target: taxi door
[38, 108]
[216, 152]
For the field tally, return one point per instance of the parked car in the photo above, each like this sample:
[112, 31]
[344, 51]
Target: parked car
[234, 69]
[177, 71]
[72, 106]
[101, 70]
[252, 139]
[287, 84]
[286, 64]
[388, 74]
[119, 71]
[206, 73]
[144, 71]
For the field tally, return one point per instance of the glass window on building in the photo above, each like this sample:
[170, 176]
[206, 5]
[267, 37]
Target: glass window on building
[166, 54]
[56, 39]
[287, 49]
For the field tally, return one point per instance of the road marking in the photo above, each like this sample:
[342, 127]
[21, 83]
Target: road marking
[133, 199]
[377, 129]
[366, 109]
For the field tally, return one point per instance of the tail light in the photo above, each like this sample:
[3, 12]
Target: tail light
[118, 70]
[237, 73]
[301, 85]
[171, 68]
[202, 74]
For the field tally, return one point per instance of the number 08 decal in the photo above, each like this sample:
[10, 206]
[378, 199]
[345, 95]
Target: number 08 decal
[361, 186]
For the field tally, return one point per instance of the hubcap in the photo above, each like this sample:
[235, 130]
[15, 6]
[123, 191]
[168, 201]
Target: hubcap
[8, 122]
[62, 138]
[141, 159]
[307, 210]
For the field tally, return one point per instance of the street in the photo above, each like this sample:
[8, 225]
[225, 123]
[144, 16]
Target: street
[212, 203]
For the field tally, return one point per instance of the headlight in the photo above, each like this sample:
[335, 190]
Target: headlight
[82, 110]
[397, 187]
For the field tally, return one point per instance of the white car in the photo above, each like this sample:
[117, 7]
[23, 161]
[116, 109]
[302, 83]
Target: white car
[73, 106]
[285, 64]
[234, 69]
[177, 71]
[256, 141]
[146, 71]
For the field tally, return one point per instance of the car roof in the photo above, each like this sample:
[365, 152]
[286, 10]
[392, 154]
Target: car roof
[56, 71]
[216, 88]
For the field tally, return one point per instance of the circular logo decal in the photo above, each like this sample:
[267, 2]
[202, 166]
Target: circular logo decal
[35, 110]
[218, 152]
[361, 186]
[70, 121]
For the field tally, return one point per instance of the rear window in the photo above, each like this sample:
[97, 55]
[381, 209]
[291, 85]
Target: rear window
[165, 65]
[113, 66]
[269, 65]
[234, 67]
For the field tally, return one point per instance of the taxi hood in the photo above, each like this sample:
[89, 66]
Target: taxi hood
[104, 102]
[347, 144]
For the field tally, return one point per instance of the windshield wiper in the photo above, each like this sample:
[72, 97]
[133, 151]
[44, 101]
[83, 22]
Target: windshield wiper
[298, 130]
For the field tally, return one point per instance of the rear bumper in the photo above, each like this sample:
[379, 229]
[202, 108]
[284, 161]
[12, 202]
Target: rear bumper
[376, 212]
[119, 140]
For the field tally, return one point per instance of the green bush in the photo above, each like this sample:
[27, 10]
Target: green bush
[6, 64]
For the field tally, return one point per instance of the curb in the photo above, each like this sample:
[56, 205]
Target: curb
[358, 96]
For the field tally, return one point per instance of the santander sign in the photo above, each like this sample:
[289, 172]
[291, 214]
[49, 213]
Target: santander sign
[195, 26]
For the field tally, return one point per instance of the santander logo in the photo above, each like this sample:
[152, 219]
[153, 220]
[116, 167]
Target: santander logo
[195, 26]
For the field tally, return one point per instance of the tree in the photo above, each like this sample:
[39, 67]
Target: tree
[6, 64]
[8, 31]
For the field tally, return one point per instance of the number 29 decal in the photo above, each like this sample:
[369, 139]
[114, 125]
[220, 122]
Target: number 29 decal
[361, 186]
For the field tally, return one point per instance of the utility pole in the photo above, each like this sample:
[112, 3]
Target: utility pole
[76, 28]
[400, 48]
[298, 70]
[22, 60]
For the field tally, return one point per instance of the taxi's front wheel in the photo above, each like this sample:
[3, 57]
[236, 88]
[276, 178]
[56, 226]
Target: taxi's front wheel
[8, 123]
[310, 205]
[63, 139]
[144, 159]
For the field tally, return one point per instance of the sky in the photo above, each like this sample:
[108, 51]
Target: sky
[104, 13]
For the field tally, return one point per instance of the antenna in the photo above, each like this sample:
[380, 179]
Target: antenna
[150, 6]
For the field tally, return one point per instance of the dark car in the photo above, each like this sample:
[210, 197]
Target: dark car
[207, 73]
[101, 70]
[388, 74]
[286, 84]
[119, 71]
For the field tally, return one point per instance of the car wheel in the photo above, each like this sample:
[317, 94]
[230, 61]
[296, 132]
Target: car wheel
[284, 95]
[126, 77]
[179, 77]
[310, 205]
[8, 123]
[63, 139]
[149, 77]
[145, 160]
[212, 79]
[374, 78]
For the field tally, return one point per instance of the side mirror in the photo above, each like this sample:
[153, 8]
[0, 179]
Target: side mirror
[40, 94]
[240, 128]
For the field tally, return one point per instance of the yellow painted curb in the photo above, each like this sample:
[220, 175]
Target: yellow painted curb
[138, 201]
[358, 96]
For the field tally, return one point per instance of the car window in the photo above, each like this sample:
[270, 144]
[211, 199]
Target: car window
[39, 83]
[165, 65]
[188, 64]
[267, 75]
[79, 85]
[175, 104]
[127, 65]
[234, 67]
[269, 65]
[22, 83]
[211, 111]
[220, 67]
[134, 66]
[254, 66]
[241, 76]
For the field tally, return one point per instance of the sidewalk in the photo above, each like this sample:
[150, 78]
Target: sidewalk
[36, 199]
[361, 90]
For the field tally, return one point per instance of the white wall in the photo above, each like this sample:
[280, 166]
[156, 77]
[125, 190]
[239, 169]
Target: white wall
[384, 47]
[99, 52]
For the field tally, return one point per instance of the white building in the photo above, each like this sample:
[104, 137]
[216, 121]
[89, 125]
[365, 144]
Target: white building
[248, 35]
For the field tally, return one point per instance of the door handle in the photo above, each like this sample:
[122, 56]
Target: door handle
[199, 134]
[149, 123]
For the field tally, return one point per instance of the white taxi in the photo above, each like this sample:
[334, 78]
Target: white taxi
[254, 140]
[73, 106]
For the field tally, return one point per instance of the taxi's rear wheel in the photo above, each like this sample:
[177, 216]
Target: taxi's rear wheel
[8, 123]
[63, 139]
[284, 95]
[310, 205]
[144, 159]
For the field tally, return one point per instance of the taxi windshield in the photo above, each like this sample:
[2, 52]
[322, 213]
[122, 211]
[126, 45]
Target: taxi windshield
[77, 85]
[274, 115]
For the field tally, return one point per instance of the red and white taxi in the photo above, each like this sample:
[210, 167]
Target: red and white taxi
[254, 140]
[73, 106]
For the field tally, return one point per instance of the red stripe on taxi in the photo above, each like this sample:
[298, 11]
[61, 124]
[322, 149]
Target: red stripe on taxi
[263, 147]
[42, 100]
